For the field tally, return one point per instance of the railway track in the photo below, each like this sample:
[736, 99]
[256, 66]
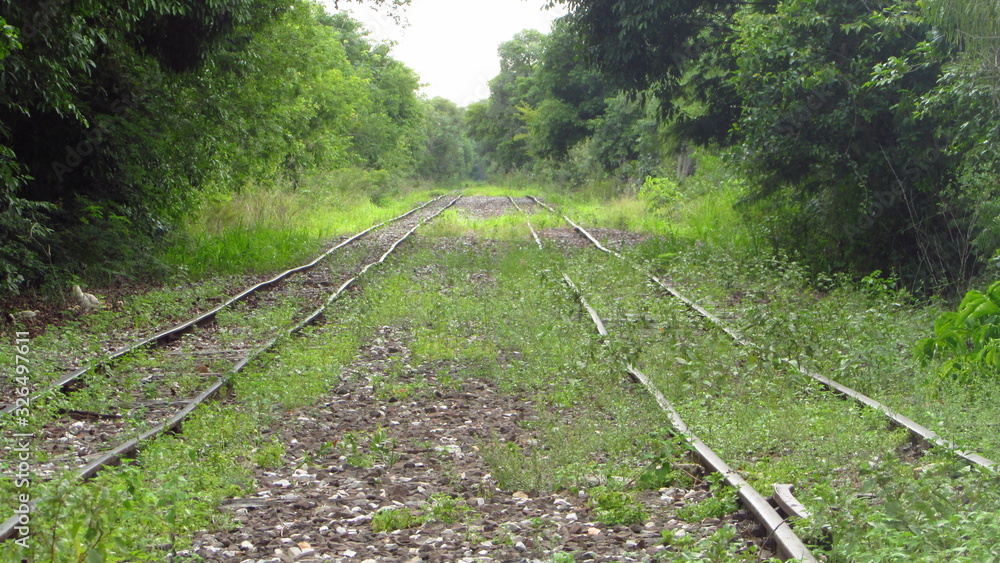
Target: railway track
[196, 361]
[787, 545]
[399, 418]
[190, 345]
[920, 433]
[8, 402]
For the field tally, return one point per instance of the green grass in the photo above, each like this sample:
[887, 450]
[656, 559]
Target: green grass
[616, 507]
[265, 230]
[454, 223]
[774, 424]
[780, 426]
[396, 519]
[507, 317]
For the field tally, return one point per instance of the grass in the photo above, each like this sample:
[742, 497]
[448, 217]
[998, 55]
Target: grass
[860, 332]
[508, 318]
[265, 230]
[453, 223]
[396, 519]
[616, 507]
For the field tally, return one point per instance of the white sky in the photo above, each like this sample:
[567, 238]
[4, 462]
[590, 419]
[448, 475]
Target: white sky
[452, 44]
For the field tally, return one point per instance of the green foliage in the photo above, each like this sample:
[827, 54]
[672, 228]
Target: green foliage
[659, 193]
[719, 504]
[662, 470]
[973, 25]
[969, 337]
[866, 146]
[496, 124]
[552, 114]
[393, 519]
[670, 50]
[834, 138]
[615, 508]
[448, 154]
[943, 511]
[447, 508]
[148, 106]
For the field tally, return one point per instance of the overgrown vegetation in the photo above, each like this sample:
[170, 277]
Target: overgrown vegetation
[858, 129]
[596, 433]
[120, 123]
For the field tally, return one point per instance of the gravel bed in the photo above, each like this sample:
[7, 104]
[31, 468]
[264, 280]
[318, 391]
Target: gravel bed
[485, 207]
[320, 507]
[611, 238]
[202, 354]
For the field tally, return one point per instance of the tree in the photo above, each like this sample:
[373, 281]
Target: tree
[670, 50]
[448, 154]
[498, 127]
[571, 92]
[830, 123]
[115, 116]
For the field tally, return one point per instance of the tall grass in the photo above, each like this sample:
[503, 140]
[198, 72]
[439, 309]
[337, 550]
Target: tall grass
[270, 228]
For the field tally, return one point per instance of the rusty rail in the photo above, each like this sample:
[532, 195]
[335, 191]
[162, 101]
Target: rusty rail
[789, 546]
[205, 317]
[916, 430]
[129, 449]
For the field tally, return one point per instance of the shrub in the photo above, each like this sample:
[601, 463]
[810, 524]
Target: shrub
[969, 335]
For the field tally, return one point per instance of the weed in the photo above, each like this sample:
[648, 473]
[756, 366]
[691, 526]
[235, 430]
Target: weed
[447, 508]
[514, 470]
[969, 337]
[392, 519]
[720, 547]
[352, 449]
[384, 447]
[719, 504]
[616, 507]
[663, 469]
[269, 455]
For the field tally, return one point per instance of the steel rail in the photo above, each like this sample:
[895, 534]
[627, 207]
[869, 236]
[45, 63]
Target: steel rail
[915, 429]
[790, 547]
[130, 448]
[785, 500]
[203, 318]
[590, 310]
[534, 234]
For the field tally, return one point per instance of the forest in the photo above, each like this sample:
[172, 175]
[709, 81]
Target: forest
[859, 133]
[269, 301]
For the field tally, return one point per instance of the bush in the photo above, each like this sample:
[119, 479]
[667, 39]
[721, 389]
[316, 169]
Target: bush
[659, 193]
[969, 336]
